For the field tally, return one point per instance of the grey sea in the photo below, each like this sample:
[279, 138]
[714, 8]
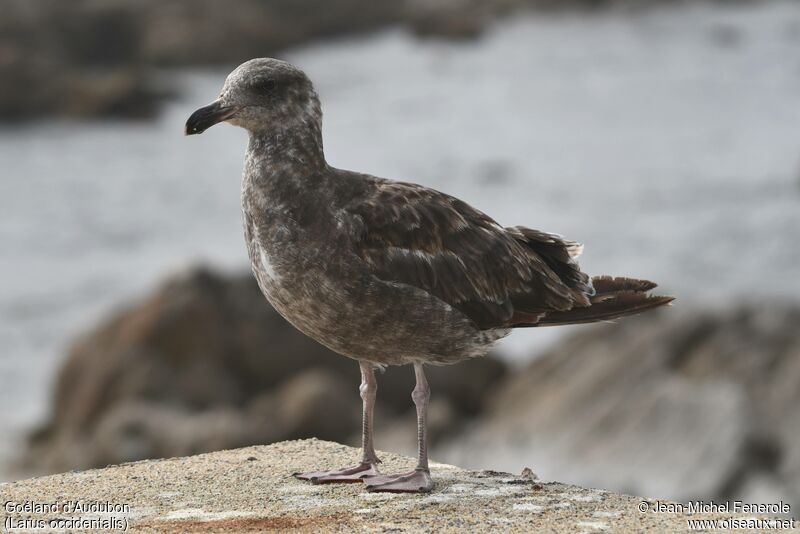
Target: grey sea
[667, 140]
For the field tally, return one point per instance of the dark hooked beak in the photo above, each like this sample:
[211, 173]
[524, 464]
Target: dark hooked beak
[206, 117]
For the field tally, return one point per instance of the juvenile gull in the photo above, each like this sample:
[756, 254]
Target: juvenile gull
[385, 272]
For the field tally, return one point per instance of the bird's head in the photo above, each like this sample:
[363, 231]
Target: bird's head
[260, 95]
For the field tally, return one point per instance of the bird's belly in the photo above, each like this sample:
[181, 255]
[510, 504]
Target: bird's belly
[364, 318]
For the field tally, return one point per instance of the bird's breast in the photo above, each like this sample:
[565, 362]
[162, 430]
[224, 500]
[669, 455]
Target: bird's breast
[286, 260]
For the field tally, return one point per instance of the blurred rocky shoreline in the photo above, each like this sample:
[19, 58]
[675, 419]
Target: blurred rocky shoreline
[204, 364]
[89, 58]
[681, 404]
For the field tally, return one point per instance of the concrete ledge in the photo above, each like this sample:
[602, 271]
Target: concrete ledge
[250, 489]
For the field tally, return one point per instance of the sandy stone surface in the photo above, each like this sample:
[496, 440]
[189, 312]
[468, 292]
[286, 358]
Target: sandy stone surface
[251, 490]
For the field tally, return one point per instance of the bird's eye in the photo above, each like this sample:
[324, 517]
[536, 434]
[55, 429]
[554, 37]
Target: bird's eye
[264, 86]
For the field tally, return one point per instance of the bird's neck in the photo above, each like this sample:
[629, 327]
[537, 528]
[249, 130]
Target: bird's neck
[295, 149]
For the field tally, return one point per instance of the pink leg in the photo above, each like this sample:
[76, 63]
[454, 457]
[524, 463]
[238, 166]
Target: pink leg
[369, 460]
[418, 480]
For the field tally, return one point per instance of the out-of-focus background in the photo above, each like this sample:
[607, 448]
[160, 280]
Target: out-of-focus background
[664, 135]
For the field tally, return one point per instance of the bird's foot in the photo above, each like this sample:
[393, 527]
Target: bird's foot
[348, 474]
[417, 481]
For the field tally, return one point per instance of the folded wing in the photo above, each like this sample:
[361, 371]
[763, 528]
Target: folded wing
[499, 277]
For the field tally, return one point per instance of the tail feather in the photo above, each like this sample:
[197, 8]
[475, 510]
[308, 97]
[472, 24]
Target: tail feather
[613, 298]
[607, 285]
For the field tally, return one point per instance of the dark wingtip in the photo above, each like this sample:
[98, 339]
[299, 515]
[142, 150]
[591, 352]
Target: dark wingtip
[620, 304]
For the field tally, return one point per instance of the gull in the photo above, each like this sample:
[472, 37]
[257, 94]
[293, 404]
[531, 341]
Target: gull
[387, 272]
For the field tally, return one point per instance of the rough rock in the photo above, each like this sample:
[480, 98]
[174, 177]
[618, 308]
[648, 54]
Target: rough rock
[204, 363]
[249, 490]
[681, 404]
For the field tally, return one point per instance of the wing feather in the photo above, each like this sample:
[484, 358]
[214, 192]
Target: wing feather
[496, 276]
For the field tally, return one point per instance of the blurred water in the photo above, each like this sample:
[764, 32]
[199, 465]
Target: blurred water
[668, 141]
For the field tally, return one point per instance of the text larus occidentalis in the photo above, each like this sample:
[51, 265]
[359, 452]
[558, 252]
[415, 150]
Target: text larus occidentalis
[385, 272]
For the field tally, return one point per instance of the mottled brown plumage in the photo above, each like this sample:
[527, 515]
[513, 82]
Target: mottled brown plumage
[386, 272]
[497, 277]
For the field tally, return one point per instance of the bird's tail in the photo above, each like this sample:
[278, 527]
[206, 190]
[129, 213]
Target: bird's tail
[614, 297]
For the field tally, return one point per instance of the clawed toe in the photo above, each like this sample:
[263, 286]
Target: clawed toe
[417, 481]
[348, 474]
